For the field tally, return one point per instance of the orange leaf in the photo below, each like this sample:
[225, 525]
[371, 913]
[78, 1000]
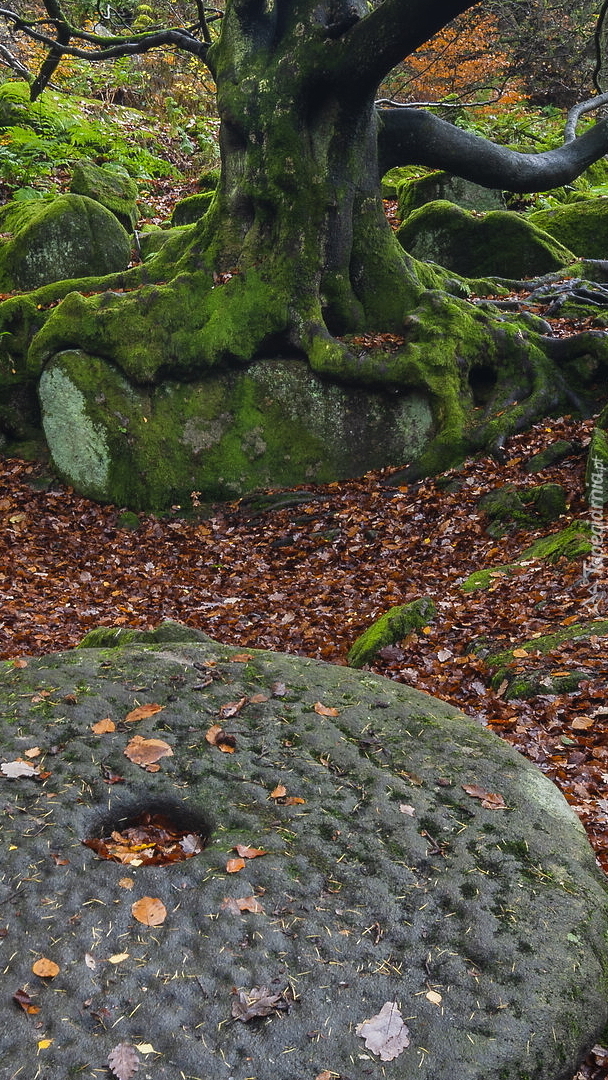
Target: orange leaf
[19, 663]
[126, 882]
[520, 653]
[46, 969]
[34, 751]
[216, 736]
[103, 726]
[248, 852]
[142, 712]
[278, 793]
[257, 699]
[241, 657]
[212, 732]
[149, 910]
[234, 865]
[568, 622]
[324, 710]
[146, 752]
[293, 800]
[489, 800]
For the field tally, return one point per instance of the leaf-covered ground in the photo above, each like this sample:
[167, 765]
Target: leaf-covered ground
[309, 578]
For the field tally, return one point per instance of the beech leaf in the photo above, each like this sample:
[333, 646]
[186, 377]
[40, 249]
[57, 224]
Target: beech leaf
[245, 903]
[248, 852]
[146, 752]
[325, 710]
[259, 1001]
[149, 910]
[142, 712]
[385, 1034]
[234, 865]
[489, 800]
[123, 1061]
[102, 727]
[45, 969]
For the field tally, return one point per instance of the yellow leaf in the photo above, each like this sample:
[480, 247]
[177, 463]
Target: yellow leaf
[142, 712]
[43, 1044]
[118, 958]
[520, 653]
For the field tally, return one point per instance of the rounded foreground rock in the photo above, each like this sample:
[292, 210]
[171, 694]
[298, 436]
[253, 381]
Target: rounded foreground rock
[417, 873]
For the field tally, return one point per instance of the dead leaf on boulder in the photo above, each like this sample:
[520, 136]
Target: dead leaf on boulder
[385, 1034]
[216, 736]
[489, 800]
[245, 903]
[234, 865]
[146, 752]
[102, 727]
[325, 710]
[142, 712]
[149, 910]
[16, 770]
[259, 1001]
[248, 852]
[45, 969]
[123, 1061]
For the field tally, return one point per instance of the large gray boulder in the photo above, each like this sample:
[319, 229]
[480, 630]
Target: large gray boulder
[269, 425]
[71, 236]
[393, 879]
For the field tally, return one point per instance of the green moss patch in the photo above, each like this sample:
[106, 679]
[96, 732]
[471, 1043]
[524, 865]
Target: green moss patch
[390, 628]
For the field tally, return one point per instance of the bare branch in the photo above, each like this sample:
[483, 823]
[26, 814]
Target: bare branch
[579, 110]
[413, 137]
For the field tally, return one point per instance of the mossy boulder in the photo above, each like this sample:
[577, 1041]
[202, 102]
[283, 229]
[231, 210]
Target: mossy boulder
[519, 669]
[71, 236]
[556, 451]
[270, 425]
[111, 187]
[596, 474]
[509, 507]
[189, 210]
[573, 542]
[581, 226]
[390, 628]
[500, 243]
[415, 192]
[502, 913]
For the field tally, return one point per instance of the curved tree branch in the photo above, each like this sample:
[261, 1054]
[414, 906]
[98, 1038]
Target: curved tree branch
[53, 57]
[579, 110]
[412, 137]
[374, 45]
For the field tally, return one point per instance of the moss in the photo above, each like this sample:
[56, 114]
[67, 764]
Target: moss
[582, 226]
[549, 642]
[110, 637]
[391, 627]
[113, 188]
[551, 455]
[570, 543]
[508, 507]
[189, 210]
[596, 474]
[498, 243]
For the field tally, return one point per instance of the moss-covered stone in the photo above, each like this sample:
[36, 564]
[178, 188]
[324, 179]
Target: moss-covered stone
[271, 425]
[110, 186]
[508, 507]
[582, 227]
[499, 242]
[573, 542]
[412, 193]
[189, 210]
[70, 237]
[128, 520]
[391, 627]
[551, 455]
[509, 665]
[167, 632]
[493, 908]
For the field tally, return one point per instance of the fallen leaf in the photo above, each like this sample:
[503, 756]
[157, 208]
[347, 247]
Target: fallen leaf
[118, 957]
[149, 910]
[191, 844]
[278, 793]
[385, 1034]
[434, 997]
[142, 712]
[292, 800]
[216, 736]
[123, 1061]
[582, 723]
[443, 655]
[241, 657]
[278, 689]
[90, 961]
[24, 1000]
[245, 903]
[231, 708]
[520, 653]
[34, 751]
[248, 852]
[325, 710]
[145, 1048]
[126, 882]
[146, 751]
[16, 770]
[405, 808]
[489, 800]
[258, 699]
[325, 1075]
[234, 865]
[21, 663]
[46, 969]
[43, 1044]
[103, 726]
[259, 1001]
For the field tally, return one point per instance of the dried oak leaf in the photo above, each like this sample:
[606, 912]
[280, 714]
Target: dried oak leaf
[46, 969]
[489, 800]
[259, 1001]
[16, 770]
[123, 1061]
[142, 712]
[231, 708]
[385, 1034]
[146, 752]
[149, 910]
